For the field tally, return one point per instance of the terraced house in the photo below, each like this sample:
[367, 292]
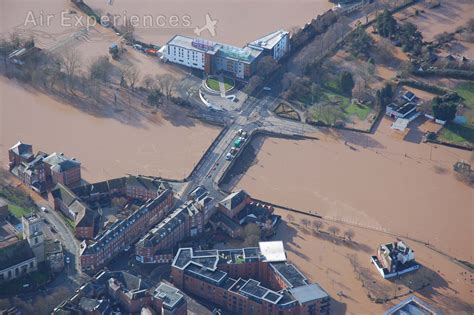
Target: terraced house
[121, 234]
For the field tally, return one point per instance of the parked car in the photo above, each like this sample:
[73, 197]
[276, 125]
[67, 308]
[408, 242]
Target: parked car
[68, 260]
[53, 230]
[229, 156]
[267, 88]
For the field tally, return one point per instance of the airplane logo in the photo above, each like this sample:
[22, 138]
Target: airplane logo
[210, 26]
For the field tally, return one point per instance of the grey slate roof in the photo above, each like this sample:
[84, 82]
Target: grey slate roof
[15, 253]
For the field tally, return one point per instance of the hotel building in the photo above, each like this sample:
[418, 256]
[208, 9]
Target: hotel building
[213, 57]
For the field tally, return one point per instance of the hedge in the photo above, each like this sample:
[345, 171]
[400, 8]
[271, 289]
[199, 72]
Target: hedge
[446, 73]
[424, 86]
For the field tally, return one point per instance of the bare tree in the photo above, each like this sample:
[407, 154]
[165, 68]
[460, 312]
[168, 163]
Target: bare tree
[167, 84]
[148, 81]
[349, 234]
[100, 69]
[266, 66]
[132, 74]
[305, 222]
[290, 218]
[71, 63]
[317, 224]
[359, 88]
[334, 230]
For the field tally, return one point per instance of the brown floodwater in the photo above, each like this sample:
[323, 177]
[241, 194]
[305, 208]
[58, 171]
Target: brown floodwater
[105, 146]
[377, 181]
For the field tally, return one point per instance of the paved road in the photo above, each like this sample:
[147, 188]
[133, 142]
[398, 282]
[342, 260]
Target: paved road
[255, 114]
[69, 242]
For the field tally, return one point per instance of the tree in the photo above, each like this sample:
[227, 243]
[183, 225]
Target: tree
[266, 66]
[346, 82]
[360, 42]
[154, 97]
[254, 82]
[290, 218]
[334, 230]
[386, 24]
[148, 81]
[349, 234]
[132, 74]
[100, 69]
[359, 89]
[444, 110]
[317, 224]
[410, 38]
[252, 234]
[166, 84]
[305, 222]
[71, 63]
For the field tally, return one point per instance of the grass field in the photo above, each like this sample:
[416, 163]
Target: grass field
[359, 110]
[17, 211]
[466, 90]
[457, 134]
[213, 83]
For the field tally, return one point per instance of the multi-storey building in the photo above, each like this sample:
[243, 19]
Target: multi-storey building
[125, 232]
[61, 169]
[212, 57]
[248, 281]
[20, 153]
[119, 292]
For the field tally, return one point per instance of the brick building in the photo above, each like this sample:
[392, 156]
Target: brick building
[187, 220]
[248, 281]
[20, 153]
[125, 232]
[119, 292]
[61, 169]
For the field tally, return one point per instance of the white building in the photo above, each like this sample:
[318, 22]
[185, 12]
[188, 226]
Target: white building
[212, 57]
[277, 44]
[188, 52]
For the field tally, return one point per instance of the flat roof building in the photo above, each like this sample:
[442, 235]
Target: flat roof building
[213, 57]
[255, 280]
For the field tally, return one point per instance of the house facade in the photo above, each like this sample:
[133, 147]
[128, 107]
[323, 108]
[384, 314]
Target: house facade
[16, 260]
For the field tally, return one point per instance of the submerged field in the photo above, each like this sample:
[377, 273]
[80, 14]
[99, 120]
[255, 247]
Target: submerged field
[239, 22]
[152, 144]
[378, 181]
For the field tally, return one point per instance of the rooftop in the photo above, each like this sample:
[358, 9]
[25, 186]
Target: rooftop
[60, 163]
[169, 295]
[292, 276]
[307, 293]
[22, 149]
[411, 306]
[272, 251]
[234, 199]
[15, 253]
[269, 41]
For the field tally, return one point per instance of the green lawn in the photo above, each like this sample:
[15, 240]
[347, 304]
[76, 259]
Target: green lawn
[360, 110]
[213, 83]
[17, 211]
[457, 134]
[466, 91]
